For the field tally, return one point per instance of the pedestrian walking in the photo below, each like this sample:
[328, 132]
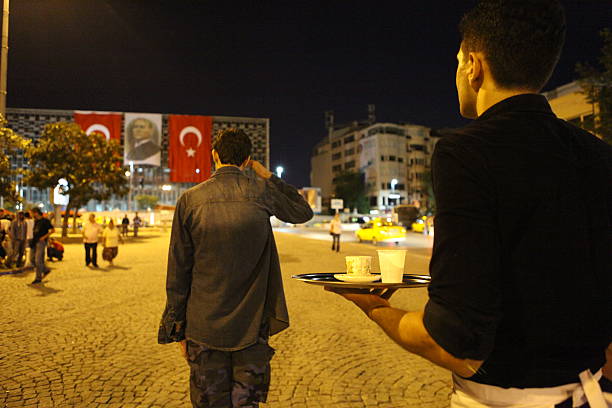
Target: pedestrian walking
[42, 231]
[30, 254]
[224, 287]
[110, 242]
[519, 311]
[18, 233]
[91, 235]
[125, 223]
[335, 230]
[6, 243]
[136, 223]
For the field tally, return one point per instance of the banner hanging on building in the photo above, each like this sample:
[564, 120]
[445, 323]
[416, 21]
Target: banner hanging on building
[105, 123]
[189, 152]
[142, 138]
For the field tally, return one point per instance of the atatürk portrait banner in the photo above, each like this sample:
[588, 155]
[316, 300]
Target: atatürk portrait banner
[142, 138]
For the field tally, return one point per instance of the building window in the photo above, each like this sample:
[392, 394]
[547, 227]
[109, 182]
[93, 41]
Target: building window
[374, 131]
[392, 158]
[382, 158]
[336, 144]
[417, 147]
[373, 201]
[395, 131]
[349, 152]
[400, 159]
[336, 156]
[349, 165]
[383, 185]
[336, 168]
[349, 139]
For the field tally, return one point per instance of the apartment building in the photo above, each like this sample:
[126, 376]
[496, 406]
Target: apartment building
[393, 157]
[569, 103]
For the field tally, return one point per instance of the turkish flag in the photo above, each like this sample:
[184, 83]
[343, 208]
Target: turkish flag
[189, 151]
[105, 123]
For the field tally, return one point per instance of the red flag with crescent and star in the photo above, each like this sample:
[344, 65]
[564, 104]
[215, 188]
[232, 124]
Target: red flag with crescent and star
[105, 123]
[189, 151]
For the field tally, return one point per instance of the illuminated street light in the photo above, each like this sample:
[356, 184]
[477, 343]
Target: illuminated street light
[128, 174]
[279, 171]
[393, 184]
[166, 187]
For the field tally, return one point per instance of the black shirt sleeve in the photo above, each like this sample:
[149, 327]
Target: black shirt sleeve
[463, 310]
[284, 202]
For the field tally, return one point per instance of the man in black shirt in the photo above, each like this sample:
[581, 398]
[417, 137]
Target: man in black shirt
[518, 303]
[42, 231]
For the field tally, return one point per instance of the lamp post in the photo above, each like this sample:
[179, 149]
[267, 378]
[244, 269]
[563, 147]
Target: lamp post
[279, 171]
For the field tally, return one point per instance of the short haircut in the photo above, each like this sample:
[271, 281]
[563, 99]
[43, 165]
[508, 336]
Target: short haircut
[37, 210]
[233, 146]
[521, 39]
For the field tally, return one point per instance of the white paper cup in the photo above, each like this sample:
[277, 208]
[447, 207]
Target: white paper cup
[358, 265]
[392, 265]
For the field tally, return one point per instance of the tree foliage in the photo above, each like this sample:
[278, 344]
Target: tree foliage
[597, 87]
[90, 164]
[351, 187]
[10, 144]
[146, 201]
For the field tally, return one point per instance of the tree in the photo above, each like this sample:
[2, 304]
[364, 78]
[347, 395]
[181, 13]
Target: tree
[10, 143]
[351, 187]
[146, 201]
[90, 164]
[597, 87]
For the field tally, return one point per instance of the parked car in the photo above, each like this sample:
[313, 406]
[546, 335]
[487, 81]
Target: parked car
[381, 230]
[419, 224]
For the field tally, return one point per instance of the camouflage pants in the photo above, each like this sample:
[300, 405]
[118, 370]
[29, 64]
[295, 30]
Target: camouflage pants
[228, 379]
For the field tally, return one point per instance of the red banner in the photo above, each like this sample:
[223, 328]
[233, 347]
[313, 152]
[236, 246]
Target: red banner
[189, 151]
[107, 124]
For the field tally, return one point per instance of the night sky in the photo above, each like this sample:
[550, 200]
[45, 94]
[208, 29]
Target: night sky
[289, 61]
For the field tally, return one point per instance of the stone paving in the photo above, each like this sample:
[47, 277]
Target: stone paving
[87, 337]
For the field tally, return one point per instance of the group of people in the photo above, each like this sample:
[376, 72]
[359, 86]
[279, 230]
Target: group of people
[27, 230]
[110, 236]
[519, 311]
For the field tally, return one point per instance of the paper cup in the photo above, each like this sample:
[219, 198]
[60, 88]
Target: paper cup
[358, 265]
[391, 265]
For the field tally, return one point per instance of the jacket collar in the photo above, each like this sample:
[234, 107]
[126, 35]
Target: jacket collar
[519, 103]
[227, 170]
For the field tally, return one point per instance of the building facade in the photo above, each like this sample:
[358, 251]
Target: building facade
[145, 180]
[393, 158]
[569, 103]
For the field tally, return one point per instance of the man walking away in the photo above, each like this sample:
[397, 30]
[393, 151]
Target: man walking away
[42, 230]
[18, 233]
[125, 222]
[335, 230]
[518, 309]
[224, 288]
[91, 233]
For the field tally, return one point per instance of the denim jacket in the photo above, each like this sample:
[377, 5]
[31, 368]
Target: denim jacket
[224, 279]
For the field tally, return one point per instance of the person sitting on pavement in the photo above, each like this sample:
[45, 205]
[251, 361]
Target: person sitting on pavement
[55, 250]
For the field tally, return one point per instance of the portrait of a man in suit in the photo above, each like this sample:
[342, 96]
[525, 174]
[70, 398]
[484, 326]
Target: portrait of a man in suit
[142, 140]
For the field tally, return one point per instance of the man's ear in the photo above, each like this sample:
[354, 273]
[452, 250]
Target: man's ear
[476, 70]
[215, 157]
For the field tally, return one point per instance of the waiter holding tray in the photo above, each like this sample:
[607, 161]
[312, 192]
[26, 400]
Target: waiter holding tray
[519, 309]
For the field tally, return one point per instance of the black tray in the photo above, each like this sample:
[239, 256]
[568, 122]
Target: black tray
[328, 279]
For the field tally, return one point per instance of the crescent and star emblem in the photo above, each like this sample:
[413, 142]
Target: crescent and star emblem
[195, 131]
[97, 127]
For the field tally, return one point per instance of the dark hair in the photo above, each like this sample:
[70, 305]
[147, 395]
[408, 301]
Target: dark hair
[27, 214]
[233, 146]
[37, 210]
[521, 39]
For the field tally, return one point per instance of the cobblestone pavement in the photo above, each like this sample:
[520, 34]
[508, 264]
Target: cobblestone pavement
[87, 337]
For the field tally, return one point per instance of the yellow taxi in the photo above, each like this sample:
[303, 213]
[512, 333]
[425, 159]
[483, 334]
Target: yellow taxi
[419, 224]
[381, 230]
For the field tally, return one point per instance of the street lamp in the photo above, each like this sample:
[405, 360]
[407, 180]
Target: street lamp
[393, 184]
[279, 171]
